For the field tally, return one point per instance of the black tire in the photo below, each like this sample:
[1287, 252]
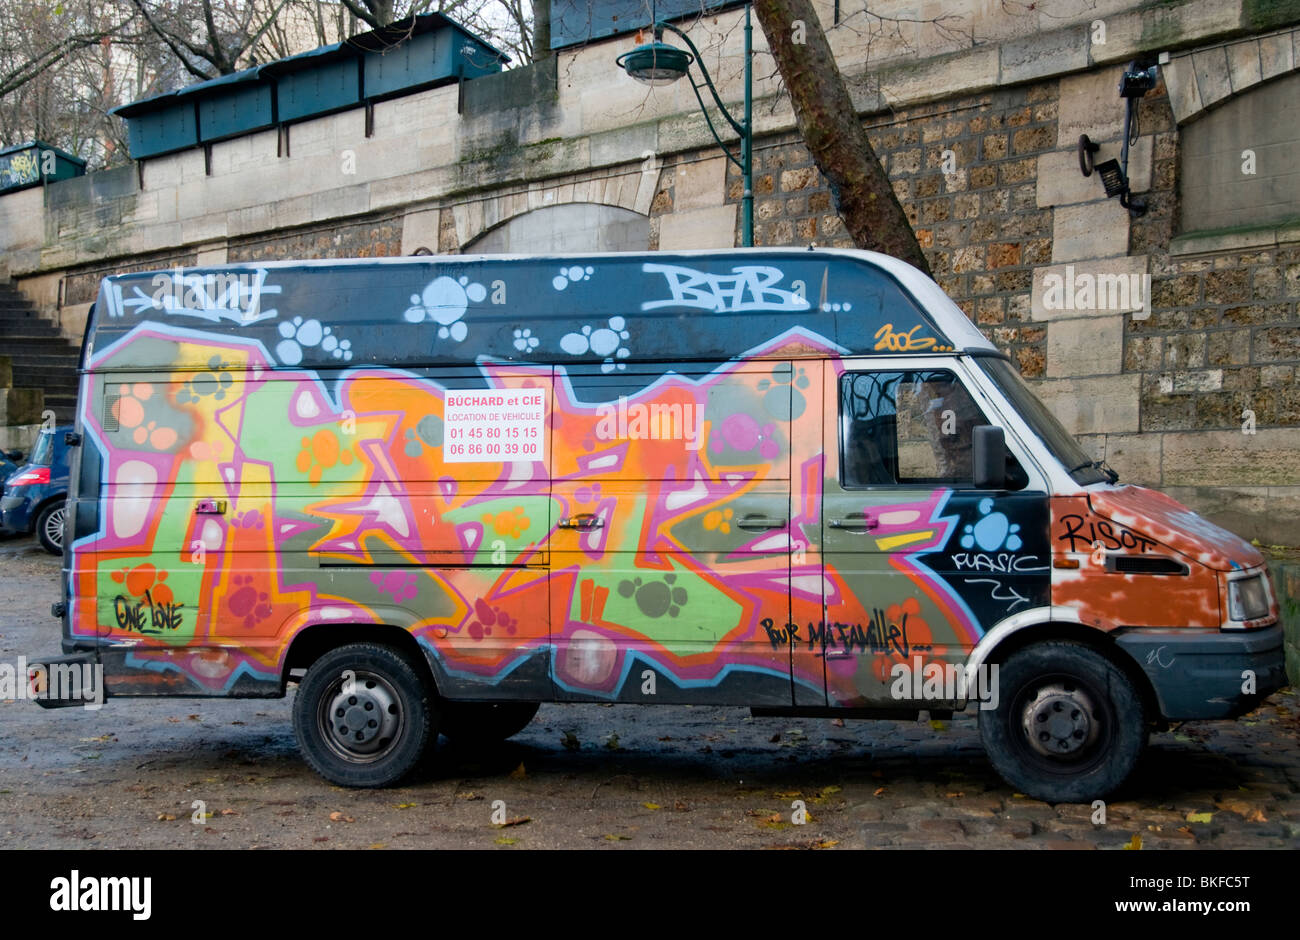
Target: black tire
[385, 684]
[49, 526]
[1090, 720]
[470, 723]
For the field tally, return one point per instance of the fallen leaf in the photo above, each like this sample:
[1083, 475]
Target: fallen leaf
[956, 795]
[614, 837]
[1199, 817]
[166, 817]
[826, 843]
[879, 790]
[518, 773]
[337, 816]
[571, 741]
[321, 839]
[506, 840]
[378, 845]
[938, 725]
[788, 794]
[406, 805]
[651, 805]
[838, 723]
[470, 794]
[194, 718]
[680, 806]
[516, 821]
[1133, 843]
[230, 812]
[611, 741]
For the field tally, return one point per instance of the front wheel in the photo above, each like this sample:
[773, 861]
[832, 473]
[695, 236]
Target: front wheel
[364, 715]
[49, 528]
[1069, 726]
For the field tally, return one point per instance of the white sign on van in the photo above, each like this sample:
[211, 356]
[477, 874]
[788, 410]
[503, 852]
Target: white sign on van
[494, 425]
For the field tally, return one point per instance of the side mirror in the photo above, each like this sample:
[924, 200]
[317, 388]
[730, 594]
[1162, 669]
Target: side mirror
[990, 457]
[15, 455]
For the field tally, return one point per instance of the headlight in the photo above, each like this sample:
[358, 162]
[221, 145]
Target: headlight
[1247, 599]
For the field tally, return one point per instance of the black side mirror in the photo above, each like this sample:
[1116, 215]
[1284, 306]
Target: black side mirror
[990, 457]
[15, 455]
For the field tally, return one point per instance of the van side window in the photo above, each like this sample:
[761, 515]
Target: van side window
[909, 428]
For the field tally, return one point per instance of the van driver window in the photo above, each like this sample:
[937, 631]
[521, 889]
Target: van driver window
[907, 428]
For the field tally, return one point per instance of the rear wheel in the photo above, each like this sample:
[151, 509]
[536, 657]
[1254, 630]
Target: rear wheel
[1069, 725]
[49, 527]
[485, 722]
[364, 715]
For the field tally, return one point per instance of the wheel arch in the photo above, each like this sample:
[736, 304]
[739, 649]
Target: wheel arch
[1061, 623]
[313, 641]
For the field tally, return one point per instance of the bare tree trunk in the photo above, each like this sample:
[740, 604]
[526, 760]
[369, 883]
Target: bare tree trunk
[833, 132]
[541, 29]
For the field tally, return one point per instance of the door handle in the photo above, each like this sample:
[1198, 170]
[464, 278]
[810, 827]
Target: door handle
[212, 507]
[584, 521]
[757, 523]
[855, 522]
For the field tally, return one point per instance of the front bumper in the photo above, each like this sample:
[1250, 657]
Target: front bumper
[15, 514]
[1207, 675]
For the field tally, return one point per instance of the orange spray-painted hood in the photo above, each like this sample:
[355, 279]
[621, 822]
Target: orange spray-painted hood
[1171, 523]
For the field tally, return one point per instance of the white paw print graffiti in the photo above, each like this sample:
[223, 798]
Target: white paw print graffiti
[606, 341]
[572, 275]
[300, 334]
[444, 301]
[525, 341]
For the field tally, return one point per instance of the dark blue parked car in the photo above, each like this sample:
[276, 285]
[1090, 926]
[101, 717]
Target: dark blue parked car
[33, 496]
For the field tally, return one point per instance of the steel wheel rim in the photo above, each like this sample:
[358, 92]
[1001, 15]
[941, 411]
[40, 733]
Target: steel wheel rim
[360, 718]
[1044, 707]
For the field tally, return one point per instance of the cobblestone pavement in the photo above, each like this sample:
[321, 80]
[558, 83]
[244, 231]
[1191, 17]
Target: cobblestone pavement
[597, 776]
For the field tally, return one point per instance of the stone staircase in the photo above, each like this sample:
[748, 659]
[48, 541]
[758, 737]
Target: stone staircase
[42, 357]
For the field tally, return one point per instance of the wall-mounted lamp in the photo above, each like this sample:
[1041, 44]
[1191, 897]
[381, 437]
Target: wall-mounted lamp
[1134, 83]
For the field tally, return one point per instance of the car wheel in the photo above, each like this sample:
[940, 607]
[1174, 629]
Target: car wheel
[364, 715]
[1069, 726]
[485, 722]
[49, 527]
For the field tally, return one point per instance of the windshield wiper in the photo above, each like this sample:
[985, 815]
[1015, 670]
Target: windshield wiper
[1101, 465]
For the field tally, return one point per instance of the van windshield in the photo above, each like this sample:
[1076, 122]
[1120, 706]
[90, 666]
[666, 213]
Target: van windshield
[1059, 442]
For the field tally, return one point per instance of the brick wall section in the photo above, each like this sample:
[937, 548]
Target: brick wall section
[979, 225]
[1224, 334]
[375, 237]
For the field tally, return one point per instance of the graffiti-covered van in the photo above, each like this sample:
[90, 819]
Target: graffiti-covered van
[435, 492]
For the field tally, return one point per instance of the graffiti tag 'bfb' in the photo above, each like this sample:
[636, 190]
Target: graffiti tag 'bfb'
[748, 287]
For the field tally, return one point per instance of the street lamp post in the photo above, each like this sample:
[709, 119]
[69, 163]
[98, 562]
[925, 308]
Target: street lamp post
[657, 63]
